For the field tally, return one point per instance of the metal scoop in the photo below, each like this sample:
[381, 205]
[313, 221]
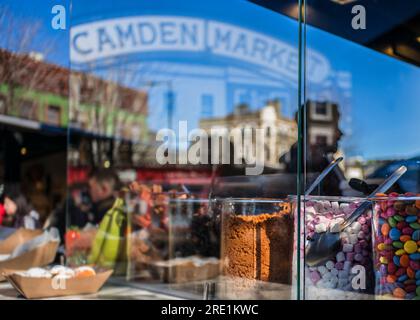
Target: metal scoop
[323, 174]
[324, 246]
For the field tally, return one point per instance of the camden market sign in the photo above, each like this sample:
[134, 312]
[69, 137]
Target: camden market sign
[144, 34]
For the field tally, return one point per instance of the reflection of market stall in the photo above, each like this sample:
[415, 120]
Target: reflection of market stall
[33, 115]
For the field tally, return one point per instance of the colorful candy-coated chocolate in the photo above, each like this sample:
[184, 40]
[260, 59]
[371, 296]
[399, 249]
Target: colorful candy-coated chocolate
[415, 265]
[402, 278]
[410, 247]
[415, 225]
[411, 210]
[405, 238]
[415, 256]
[405, 260]
[391, 268]
[383, 270]
[400, 252]
[381, 247]
[410, 288]
[385, 229]
[398, 218]
[400, 272]
[410, 273]
[407, 231]
[409, 281]
[399, 205]
[394, 234]
[383, 260]
[398, 244]
[392, 222]
[411, 219]
[396, 261]
[399, 293]
[410, 296]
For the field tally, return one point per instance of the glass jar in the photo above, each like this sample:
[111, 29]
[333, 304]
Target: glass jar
[347, 273]
[256, 248]
[397, 246]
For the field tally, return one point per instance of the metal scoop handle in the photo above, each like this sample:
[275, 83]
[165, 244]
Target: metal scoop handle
[383, 187]
[323, 174]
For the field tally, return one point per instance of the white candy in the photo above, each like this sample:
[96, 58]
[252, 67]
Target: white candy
[353, 239]
[319, 208]
[327, 276]
[309, 217]
[334, 280]
[347, 265]
[319, 228]
[310, 210]
[322, 270]
[334, 272]
[339, 220]
[347, 247]
[342, 282]
[343, 274]
[335, 206]
[321, 283]
[327, 205]
[330, 264]
[356, 226]
[344, 206]
[348, 210]
[324, 220]
[340, 257]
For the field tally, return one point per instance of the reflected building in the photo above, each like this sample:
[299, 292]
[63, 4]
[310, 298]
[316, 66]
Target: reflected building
[280, 132]
[322, 124]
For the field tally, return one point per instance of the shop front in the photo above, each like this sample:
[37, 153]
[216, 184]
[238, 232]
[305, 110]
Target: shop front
[240, 151]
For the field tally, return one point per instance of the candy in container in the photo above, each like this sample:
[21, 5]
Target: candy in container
[348, 274]
[396, 246]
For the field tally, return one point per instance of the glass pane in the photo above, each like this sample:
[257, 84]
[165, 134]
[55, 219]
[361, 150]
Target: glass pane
[175, 107]
[364, 110]
[34, 75]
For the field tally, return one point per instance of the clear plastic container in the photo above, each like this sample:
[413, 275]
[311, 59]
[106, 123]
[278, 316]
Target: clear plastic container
[348, 274]
[174, 242]
[256, 249]
[397, 246]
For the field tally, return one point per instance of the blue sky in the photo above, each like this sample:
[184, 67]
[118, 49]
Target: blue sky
[380, 109]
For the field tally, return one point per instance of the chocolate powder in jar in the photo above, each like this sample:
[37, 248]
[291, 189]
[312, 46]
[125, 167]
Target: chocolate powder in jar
[259, 247]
